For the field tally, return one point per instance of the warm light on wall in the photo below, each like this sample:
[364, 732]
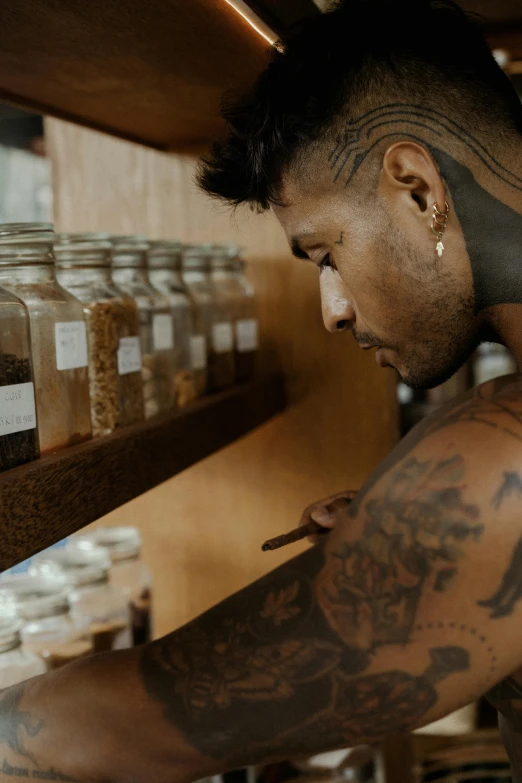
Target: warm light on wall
[253, 20]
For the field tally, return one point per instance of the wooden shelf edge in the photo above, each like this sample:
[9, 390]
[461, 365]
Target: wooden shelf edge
[46, 500]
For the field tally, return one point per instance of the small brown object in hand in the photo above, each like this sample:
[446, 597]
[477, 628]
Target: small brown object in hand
[311, 529]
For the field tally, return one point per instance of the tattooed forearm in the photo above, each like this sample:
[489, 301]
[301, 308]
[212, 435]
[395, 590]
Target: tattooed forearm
[287, 660]
[17, 727]
[10, 770]
[15, 724]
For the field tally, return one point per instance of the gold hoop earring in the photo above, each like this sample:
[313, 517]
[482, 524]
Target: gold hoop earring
[439, 221]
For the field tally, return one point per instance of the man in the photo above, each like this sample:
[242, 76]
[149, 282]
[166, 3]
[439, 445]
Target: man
[388, 143]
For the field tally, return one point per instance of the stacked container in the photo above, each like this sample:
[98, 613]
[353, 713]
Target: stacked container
[18, 433]
[237, 296]
[129, 263]
[113, 339]
[58, 334]
[164, 261]
[92, 598]
[46, 625]
[129, 574]
[212, 313]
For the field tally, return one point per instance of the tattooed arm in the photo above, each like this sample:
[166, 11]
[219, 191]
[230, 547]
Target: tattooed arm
[407, 611]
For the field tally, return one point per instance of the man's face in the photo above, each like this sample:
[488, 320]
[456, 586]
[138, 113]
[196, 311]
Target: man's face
[385, 281]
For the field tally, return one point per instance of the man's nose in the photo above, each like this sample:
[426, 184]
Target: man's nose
[338, 313]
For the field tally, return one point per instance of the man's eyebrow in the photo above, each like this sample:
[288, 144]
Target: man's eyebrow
[297, 250]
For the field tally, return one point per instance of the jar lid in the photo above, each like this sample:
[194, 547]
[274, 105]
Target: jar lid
[82, 562]
[9, 624]
[19, 233]
[23, 243]
[226, 257]
[82, 250]
[196, 257]
[121, 542]
[164, 254]
[129, 251]
[36, 596]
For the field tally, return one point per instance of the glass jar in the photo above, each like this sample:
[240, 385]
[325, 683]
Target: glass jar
[58, 334]
[47, 628]
[92, 598]
[212, 316]
[238, 296]
[16, 664]
[247, 327]
[129, 574]
[164, 262]
[129, 265]
[18, 433]
[115, 384]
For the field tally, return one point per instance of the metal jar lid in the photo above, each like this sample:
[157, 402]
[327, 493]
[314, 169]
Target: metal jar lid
[196, 258]
[26, 243]
[87, 249]
[165, 254]
[129, 251]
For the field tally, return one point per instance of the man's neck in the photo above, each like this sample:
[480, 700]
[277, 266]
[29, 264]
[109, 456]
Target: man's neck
[505, 323]
[490, 215]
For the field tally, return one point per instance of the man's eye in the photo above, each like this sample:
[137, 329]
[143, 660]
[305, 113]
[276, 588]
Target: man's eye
[326, 262]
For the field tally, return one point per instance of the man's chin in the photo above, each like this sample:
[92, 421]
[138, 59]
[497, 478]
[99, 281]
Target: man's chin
[424, 382]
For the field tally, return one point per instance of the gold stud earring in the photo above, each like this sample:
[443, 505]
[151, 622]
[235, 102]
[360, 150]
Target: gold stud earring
[439, 221]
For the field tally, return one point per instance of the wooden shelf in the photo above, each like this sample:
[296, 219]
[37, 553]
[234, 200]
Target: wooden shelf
[153, 72]
[46, 500]
[150, 71]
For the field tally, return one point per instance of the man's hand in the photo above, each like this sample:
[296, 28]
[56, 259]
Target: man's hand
[327, 512]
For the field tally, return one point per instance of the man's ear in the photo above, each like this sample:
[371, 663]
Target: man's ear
[410, 168]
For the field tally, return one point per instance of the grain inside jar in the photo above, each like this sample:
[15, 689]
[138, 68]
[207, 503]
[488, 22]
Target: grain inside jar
[115, 381]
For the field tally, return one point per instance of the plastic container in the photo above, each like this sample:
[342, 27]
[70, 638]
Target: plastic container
[115, 382]
[129, 574]
[129, 265]
[18, 423]
[16, 664]
[92, 598]
[213, 317]
[164, 262]
[58, 334]
[47, 628]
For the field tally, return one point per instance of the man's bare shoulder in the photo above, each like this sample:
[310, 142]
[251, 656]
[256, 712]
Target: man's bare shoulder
[494, 404]
[489, 412]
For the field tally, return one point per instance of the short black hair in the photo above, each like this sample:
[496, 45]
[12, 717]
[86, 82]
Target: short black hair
[362, 51]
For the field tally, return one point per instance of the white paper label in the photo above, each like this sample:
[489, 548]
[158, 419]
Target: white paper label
[71, 345]
[223, 337]
[162, 332]
[247, 335]
[129, 355]
[198, 352]
[17, 408]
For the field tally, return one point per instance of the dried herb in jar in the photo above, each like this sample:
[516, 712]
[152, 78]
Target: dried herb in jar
[16, 448]
[116, 400]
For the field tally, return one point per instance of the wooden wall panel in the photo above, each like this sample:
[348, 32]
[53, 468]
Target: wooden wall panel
[203, 529]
